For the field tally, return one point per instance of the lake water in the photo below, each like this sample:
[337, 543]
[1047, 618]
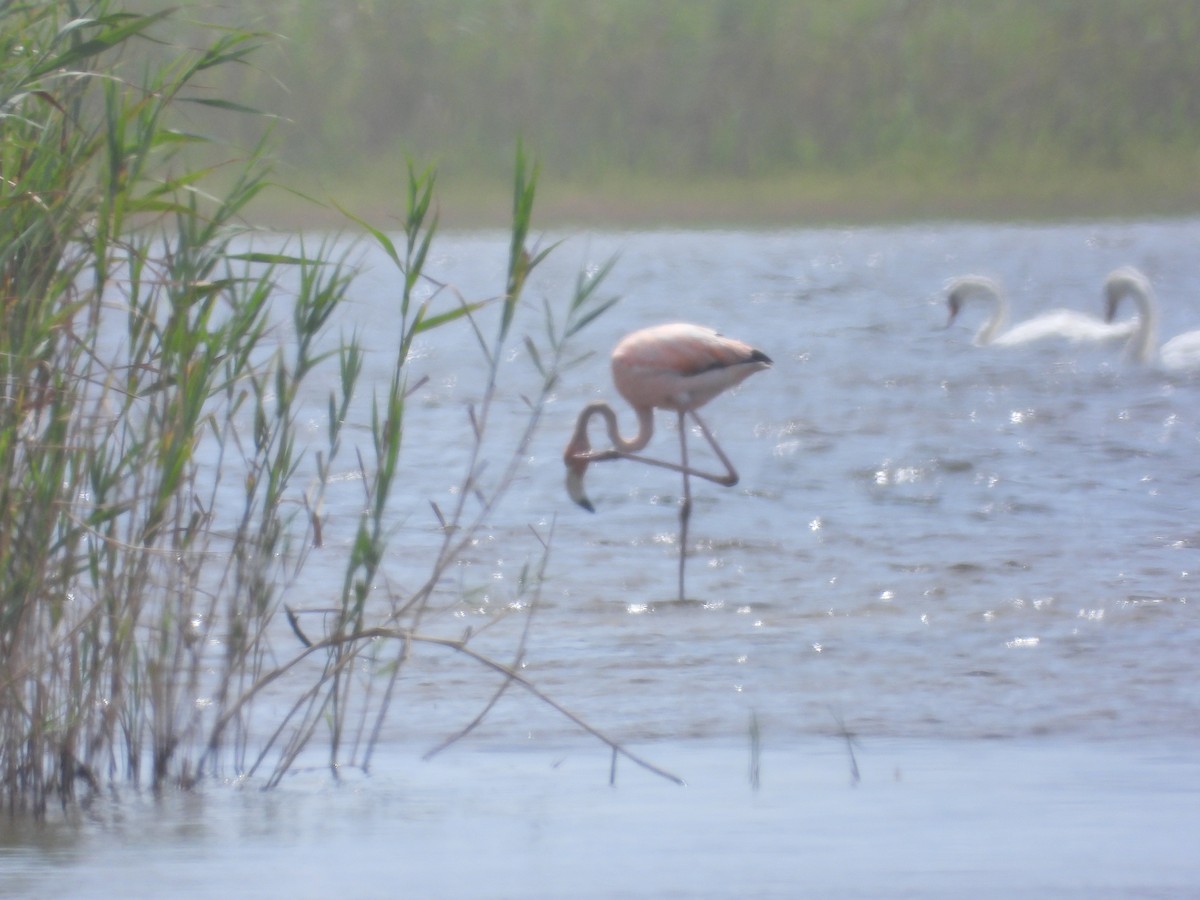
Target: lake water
[980, 563]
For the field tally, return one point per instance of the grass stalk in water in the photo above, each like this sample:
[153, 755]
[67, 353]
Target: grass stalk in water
[159, 498]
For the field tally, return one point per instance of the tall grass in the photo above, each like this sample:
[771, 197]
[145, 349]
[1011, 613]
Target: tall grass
[142, 581]
[685, 91]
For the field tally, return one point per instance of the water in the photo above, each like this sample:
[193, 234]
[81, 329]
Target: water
[980, 562]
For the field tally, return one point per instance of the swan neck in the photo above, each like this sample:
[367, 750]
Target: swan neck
[1144, 339]
[998, 319]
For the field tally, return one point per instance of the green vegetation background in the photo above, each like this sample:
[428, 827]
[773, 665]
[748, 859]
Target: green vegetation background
[744, 110]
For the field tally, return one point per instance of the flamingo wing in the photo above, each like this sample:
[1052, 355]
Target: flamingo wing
[681, 366]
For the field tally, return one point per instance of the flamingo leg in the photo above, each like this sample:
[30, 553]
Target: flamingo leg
[578, 459]
[730, 478]
[727, 479]
[685, 508]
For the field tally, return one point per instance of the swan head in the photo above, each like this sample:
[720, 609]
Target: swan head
[1129, 282]
[954, 303]
[1125, 282]
[962, 290]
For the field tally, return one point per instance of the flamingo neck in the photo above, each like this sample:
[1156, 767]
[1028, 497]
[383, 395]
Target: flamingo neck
[645, 415]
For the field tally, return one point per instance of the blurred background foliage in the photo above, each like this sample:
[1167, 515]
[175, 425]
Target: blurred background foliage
[881, 106]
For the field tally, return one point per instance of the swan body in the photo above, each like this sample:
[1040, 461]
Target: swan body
[1180, 352]
[1063, 324]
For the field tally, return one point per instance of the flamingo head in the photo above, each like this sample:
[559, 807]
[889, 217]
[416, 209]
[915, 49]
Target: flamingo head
[576, 459]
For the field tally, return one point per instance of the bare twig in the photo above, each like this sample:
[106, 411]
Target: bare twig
[369, 634]
[518, 657]
[295, 623]
[848, 735]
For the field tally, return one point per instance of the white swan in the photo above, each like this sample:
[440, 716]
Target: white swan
[1060, 323]
[1181, 352]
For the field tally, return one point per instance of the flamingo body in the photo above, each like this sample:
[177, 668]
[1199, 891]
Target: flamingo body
[679, 367]
[1062, 324]
[1180, 352]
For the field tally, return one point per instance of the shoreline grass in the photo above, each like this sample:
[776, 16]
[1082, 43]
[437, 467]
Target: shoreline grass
[160, 491]
[786, 201]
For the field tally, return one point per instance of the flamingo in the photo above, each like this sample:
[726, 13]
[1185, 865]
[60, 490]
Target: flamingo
[1180, 352]
[679, 367]
[1059, 323]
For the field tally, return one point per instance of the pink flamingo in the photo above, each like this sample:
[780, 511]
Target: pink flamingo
[678, 367]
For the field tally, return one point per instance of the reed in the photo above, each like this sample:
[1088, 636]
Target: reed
[775, 112]
[755, 752]
[142, 584]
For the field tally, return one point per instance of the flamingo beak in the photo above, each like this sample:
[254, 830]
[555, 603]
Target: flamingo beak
[575, 472]
[575, 458]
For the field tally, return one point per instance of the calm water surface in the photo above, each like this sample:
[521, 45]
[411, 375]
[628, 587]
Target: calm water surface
[982, 562]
